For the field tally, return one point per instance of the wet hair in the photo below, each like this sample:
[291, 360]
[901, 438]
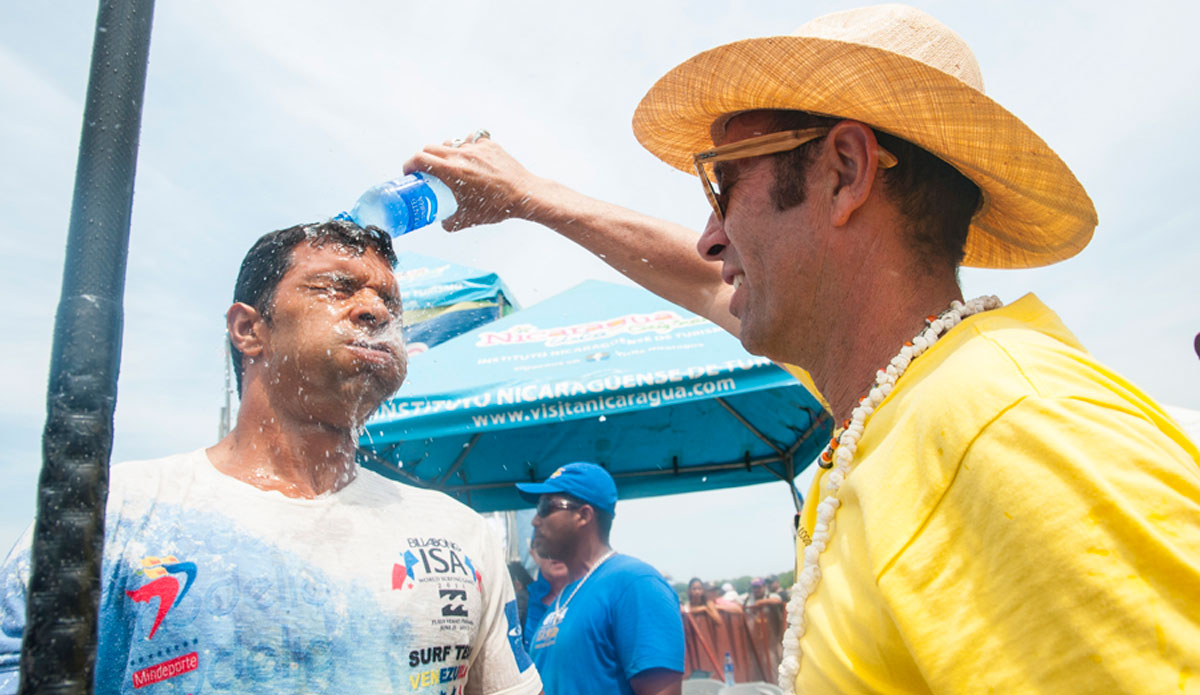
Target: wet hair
[935, 198]
[270, 259]
[693, 580]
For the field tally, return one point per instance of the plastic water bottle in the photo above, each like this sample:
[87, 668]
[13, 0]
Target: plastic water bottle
[728, 670]
[404, 204]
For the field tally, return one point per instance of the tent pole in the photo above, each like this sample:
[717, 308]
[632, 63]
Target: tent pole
[790, 465]
[224, 426]
[58, 649]
[815, 421]
[747, 425]
[384, 463]
[458, 462]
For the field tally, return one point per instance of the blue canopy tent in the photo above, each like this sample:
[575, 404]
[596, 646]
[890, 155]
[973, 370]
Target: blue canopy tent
[443, 299]
[667, 401]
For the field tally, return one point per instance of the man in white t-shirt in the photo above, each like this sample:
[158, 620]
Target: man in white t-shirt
[270, 562]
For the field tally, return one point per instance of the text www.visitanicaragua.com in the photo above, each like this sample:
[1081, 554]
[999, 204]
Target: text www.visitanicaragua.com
[558, 409]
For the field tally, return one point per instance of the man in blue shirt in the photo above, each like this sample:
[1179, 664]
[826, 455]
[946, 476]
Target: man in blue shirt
[615, 627]
[552, 576]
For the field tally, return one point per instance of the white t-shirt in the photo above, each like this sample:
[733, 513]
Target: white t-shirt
[211, 585]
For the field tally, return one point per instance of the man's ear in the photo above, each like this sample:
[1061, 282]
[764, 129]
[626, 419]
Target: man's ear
[246, 327]
[856, 160]
[587, 513]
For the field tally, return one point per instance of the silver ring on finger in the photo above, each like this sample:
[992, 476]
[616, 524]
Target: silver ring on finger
[457, 142]
[480, 134]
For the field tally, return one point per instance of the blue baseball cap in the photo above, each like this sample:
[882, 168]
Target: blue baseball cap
[584, 481]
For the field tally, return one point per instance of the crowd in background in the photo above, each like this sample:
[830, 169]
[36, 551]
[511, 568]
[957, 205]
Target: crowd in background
[748, 628]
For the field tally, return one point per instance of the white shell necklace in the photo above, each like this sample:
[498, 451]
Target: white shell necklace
[560, 611]
[839, 455]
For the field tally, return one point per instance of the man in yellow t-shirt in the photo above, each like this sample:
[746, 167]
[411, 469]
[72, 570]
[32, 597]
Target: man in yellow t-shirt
[1001, 513]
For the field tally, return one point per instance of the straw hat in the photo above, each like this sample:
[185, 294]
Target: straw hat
[901, 71]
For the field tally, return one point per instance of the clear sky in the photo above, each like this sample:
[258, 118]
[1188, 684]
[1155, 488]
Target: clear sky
[259, 115]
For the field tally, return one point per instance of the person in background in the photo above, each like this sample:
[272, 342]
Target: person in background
[765, 620]
[270, 562]
[521, 581]
[758, 591]
[710, 631]
[775, 590]
[615, 627]
[552, 577]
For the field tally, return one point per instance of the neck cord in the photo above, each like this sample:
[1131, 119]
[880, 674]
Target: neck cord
[838, 455]
[560, 609]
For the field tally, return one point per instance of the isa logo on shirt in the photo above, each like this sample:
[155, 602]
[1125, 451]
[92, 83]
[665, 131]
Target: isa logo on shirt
[514, 636]
[434, 560]
[403, 575]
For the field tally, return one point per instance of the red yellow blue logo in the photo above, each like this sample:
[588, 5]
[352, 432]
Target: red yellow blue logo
[163, 585]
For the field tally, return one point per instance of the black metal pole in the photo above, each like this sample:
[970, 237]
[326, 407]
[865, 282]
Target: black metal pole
[58, 652]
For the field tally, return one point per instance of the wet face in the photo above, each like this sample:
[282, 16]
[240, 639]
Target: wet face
[555, 533]
[696, 593]
[333, 347]
[774, 259]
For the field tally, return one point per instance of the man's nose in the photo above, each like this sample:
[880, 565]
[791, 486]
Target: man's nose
[371, 310]
[713, 241]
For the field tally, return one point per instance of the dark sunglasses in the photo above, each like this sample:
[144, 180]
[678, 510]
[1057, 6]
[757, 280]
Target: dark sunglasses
[548, 505]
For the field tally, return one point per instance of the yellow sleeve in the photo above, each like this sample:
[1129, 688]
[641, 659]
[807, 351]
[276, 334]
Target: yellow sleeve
[1064, 557]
